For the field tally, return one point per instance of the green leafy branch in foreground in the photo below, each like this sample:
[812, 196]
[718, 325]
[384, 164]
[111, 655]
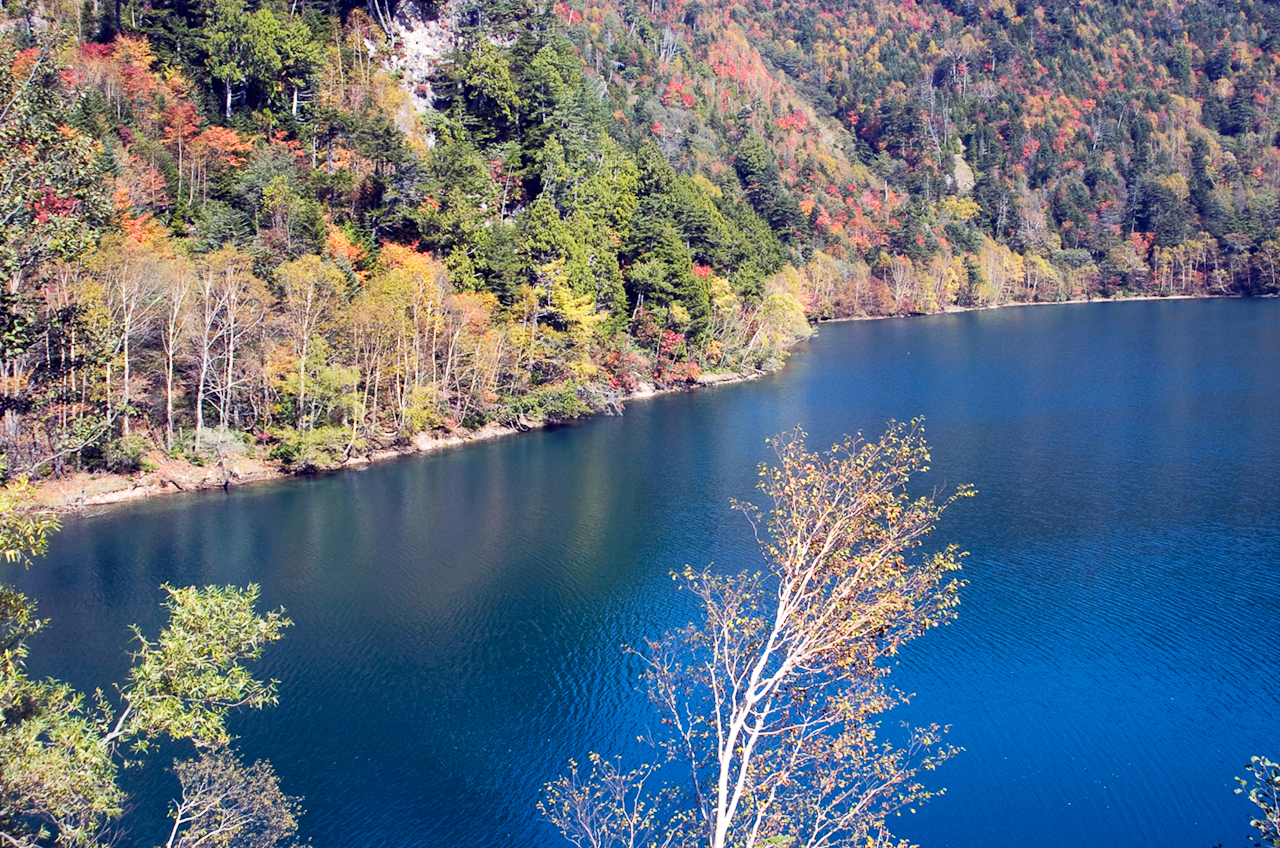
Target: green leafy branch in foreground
[23, 534]
[59, 757]
[184, 683]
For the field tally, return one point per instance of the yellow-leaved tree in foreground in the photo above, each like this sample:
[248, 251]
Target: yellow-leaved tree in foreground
[769, 704]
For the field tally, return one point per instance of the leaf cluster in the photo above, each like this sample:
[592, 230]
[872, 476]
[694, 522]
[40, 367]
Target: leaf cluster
[1265, 793]
[58, 754]
[185, 682]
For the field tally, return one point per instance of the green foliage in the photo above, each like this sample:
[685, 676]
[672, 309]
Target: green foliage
[54, 195]
[762, 183]
[326, 447]
[561, 402]
[268, 184]
[250, 49]
[185, 682]
[58, 764]
[485, 97]
[24, 532]
[56, 775]
[127, 455]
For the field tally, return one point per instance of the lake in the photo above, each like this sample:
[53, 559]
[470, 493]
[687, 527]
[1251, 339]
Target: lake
[460, 617]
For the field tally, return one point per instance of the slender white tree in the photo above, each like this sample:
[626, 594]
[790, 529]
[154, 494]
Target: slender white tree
[770, 702]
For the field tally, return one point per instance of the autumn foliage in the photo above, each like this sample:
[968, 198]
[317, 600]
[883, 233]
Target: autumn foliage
[566, 202]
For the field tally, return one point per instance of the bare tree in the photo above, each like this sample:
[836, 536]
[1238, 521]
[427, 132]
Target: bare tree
[606, 808]
[130, 269]
[902, 279]
[770, 702]
[312, 289]
[228, 306]
[208, 332]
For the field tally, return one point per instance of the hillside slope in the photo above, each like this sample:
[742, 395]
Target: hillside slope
[974, 153]
[312, 230]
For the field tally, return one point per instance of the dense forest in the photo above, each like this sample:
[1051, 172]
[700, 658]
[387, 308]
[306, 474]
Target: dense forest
[310, 229]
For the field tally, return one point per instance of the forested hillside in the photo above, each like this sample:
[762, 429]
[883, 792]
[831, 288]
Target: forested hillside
[307, 229]
[975, 153]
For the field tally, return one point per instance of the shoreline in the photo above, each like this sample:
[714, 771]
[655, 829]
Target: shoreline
[956, 310]
[78, 491]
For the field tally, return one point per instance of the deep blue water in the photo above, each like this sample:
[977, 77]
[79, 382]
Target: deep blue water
[460, 617]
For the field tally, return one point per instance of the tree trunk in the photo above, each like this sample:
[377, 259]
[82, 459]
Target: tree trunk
[302, 381]
[124, 399]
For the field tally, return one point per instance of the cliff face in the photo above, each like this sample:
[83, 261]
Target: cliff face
[422, 35]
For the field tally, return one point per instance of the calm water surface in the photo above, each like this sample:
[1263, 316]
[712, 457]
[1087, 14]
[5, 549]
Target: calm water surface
[460, 617]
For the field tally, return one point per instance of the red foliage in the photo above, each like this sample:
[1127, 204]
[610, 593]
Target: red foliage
[623, 367]
[93, 50]
[181, 122]
[671, 342]
[1142, 243]
[226, 144]
[672, 93]
[24, 62]
[795, 121]
[49, 204]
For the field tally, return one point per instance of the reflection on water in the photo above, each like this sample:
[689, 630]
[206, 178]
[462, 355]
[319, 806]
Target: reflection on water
[460, 617]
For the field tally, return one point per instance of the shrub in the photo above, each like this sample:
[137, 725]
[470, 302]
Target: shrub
[315, 450]
[126, 455]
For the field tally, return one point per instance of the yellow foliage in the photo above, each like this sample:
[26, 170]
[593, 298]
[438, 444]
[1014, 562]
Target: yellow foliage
[714, 352]
[414, 265]
[584, 371]
[782, 311]
[959, 208]
[706, 185]
[396, 101]
[1177, 184]
[950, 284]
[723, 300]
[576, 312]
[1014, 266]
[782, 319]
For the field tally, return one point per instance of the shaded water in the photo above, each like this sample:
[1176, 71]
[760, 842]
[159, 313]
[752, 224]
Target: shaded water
[460, 617]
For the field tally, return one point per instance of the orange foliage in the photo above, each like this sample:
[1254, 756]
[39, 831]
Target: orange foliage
[225, 145]
[342, 250]
[143, 230]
